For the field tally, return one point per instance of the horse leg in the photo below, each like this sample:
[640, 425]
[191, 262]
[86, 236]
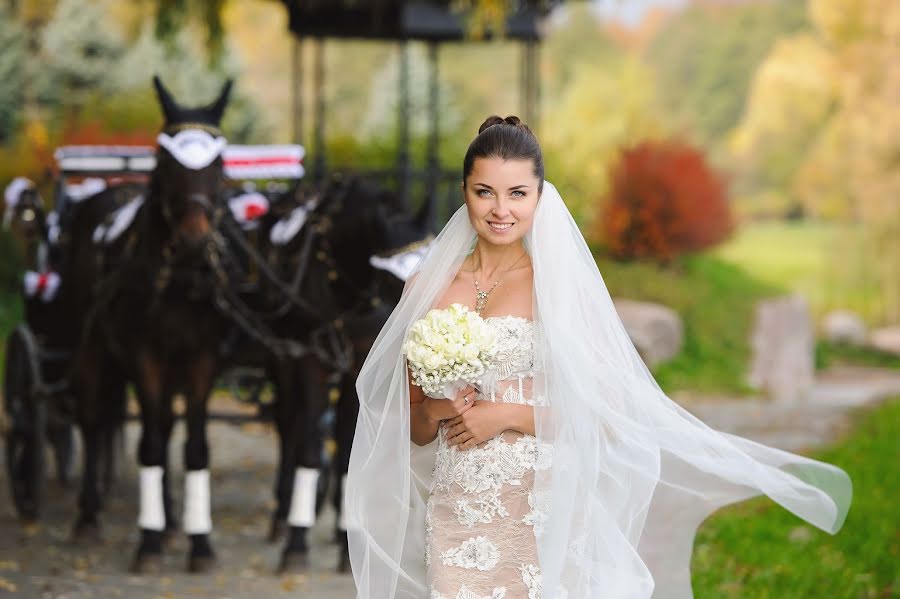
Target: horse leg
[115, 398]
[88, 374]
[284, 414]
[307, 435]
[151, 454]
[167, 417]
[197, 520]
[345, 426]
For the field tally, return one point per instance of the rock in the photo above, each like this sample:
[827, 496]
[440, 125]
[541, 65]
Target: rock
[655, 330]
[783, 349]
[886, 339]
[844, 326]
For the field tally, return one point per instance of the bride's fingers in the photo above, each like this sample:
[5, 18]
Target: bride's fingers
[469, 443]
[461, 439]
[456, 430]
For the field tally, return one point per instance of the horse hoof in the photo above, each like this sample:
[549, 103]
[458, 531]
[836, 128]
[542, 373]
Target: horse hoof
[168, 536]
[293, 562]
[277, 530]
[87, 532]
[147, 563]
[344, 562]
[201, 564]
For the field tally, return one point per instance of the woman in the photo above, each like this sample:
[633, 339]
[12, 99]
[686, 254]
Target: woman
[569, 473]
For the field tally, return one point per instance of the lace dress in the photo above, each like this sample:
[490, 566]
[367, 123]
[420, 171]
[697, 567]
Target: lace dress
[482, 515]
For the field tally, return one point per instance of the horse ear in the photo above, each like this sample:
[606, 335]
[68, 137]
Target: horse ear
[166, 101]
[217, 108]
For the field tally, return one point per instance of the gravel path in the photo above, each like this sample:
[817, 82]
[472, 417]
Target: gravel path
[41, 561]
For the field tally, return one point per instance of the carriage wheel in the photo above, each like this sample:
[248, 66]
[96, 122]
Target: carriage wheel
[27, 415]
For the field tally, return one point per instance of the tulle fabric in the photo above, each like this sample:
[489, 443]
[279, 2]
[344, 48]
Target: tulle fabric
[633, 473]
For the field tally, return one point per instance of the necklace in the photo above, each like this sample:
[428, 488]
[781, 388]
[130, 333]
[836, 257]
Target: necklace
[481, 297]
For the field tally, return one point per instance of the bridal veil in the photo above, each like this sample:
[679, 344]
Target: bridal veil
[633, 475]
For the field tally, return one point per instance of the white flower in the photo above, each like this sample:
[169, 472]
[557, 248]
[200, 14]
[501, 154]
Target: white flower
[477, 552]
[449, 345]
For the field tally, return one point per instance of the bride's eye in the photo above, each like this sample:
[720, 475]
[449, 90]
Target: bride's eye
[521, 194]
[483, 193]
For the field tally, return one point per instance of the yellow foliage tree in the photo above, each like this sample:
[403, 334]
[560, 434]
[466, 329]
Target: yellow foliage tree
[606, 106]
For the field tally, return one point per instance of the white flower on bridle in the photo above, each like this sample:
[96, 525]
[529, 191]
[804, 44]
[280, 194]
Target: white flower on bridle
[193, 148]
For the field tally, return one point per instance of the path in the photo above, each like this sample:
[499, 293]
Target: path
[41, 562]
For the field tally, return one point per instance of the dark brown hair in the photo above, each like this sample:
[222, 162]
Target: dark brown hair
[509, 139]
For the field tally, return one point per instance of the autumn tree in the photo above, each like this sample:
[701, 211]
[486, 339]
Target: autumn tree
[664, 200]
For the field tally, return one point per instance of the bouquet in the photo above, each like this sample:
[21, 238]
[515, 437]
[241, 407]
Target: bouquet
[448, 349]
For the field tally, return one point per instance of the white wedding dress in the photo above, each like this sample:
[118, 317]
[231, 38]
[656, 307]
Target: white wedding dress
[482, 517]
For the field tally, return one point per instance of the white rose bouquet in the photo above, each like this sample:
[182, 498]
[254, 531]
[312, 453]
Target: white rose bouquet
[448, 349]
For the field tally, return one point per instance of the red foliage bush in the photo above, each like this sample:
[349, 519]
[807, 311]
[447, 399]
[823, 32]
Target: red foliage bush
[664, 200]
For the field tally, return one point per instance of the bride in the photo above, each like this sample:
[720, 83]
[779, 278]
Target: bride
[568, 473]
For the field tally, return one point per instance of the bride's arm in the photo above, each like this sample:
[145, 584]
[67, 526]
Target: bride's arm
[422, 429]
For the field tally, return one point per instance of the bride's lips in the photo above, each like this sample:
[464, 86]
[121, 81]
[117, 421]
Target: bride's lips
[499, 229]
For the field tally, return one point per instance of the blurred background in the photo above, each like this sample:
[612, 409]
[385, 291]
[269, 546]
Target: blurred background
[734, 165]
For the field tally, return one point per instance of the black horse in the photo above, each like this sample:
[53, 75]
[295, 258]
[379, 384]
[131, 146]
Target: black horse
[158, 265]
[342, 302]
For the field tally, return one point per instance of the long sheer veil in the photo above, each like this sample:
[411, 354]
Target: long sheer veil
[633, 474]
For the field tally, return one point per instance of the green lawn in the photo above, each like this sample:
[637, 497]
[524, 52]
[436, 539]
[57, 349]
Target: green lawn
[716, 301]
[715, 293]
[824, 262]
[759, 550]
[10, 316]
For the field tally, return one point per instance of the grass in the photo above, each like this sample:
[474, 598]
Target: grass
[10, 316]
[825, 262]
[758, 550]
[716, 301]
[835, 354]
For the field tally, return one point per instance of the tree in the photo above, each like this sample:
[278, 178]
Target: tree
[78, 52]
[664, 200]
[705, 57]
[609, 104]
[12, 75]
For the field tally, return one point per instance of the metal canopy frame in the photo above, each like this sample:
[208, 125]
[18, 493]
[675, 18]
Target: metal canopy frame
[402, 21]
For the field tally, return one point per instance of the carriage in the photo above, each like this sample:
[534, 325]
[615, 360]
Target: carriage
[37, 403]
[38, 409]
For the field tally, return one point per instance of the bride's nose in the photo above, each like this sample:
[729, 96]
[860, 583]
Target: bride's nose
[500, 209]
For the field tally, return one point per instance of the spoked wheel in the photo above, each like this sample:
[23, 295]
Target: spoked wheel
[27, 416]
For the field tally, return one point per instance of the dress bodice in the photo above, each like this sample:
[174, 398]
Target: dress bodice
[509, 376]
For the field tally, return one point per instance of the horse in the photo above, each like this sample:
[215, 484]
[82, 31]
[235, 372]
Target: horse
[158, 264]
[329, 264]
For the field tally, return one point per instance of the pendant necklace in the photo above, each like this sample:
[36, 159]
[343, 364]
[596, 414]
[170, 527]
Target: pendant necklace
[481, 297]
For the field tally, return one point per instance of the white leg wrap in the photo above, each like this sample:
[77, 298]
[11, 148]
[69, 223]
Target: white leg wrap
[303, 499]
[152, 515]
[197, 518]
[342, 517]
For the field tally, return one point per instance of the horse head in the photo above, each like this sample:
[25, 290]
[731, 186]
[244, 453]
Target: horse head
[24, 217]
[189, 176]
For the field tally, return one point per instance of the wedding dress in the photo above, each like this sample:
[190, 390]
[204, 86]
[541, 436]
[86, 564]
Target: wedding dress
[609, 492]
[482, 516]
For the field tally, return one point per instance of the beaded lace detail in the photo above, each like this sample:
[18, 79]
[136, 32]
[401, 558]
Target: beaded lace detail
[482, 516]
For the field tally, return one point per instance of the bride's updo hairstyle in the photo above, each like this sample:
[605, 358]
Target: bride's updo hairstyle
[508, 139]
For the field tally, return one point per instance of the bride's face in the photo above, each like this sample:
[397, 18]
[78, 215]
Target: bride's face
[501, 197]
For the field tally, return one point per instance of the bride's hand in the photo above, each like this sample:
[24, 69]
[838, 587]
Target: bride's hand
[445, 409]
[483, 421]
